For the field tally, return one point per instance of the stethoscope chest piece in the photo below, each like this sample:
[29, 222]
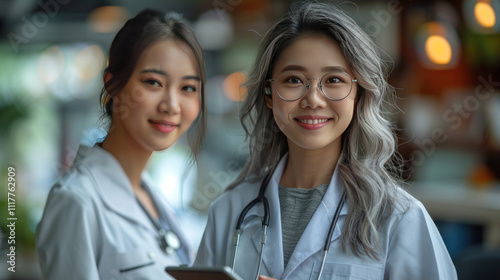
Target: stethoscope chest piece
[169, 241]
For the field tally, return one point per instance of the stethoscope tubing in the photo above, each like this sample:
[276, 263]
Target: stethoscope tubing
[265, 223]
[330, 233]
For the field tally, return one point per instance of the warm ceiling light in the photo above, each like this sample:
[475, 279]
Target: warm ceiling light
[89, 62]
[438, 45]
[438, 49]
[233, 88]
[51, 64]
[481, 15]
[107, 19]
[485, 15]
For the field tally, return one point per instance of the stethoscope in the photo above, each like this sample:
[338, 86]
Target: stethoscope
[265, 223]
[168, 241]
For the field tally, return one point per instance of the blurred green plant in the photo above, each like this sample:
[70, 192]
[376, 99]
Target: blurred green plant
[481, 50]
[24, 236]
[12, 111]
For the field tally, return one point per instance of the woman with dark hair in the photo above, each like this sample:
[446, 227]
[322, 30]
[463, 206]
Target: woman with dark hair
[320, 196]
[103, 219]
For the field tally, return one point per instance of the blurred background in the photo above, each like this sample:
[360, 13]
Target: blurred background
[443, 58]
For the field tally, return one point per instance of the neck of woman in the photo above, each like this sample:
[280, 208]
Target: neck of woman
[131, 156]
[308, 169]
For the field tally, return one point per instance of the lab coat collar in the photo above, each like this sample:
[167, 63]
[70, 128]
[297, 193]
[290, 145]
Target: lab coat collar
[319, 225]
[112, 184]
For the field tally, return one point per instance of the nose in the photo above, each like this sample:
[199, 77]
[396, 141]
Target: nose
[313, 98]
[170, 102]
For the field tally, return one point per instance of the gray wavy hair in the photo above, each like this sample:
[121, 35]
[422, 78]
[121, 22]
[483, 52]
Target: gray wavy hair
[368, 164]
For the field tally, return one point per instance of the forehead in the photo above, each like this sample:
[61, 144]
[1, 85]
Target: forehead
[312, 52]
[168, 55]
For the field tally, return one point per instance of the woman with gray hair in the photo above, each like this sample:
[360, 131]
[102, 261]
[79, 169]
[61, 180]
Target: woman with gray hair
[320, 196]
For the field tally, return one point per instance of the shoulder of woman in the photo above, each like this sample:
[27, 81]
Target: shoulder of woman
[407, 207]
[74, 188]
[66, 204]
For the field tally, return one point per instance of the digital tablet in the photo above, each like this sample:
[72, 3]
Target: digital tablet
[202, 273]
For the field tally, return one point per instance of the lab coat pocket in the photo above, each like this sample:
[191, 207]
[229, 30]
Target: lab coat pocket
[343, 271]
[136, 264]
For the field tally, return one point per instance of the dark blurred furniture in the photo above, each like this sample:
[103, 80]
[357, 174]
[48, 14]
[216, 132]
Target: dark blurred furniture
[478, 263]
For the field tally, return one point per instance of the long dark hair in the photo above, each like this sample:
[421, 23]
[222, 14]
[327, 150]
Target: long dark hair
[133, 38]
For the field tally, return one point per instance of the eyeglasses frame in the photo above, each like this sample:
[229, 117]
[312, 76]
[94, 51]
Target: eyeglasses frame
[320, 85]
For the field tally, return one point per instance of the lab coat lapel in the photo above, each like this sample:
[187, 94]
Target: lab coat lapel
[113, 185]
[315, 234]
[273, 252]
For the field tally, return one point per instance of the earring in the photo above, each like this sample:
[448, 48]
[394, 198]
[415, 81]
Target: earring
[267, 91]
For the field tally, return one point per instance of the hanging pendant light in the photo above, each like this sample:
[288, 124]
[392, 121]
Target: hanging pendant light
[482, 16]
[438, 45]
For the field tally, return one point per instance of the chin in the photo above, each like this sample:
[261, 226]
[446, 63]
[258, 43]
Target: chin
[161, 148]
[156, 147]
[316, 145]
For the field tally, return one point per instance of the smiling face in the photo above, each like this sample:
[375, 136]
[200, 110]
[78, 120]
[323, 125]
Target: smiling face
[160, 100]
[313, 121]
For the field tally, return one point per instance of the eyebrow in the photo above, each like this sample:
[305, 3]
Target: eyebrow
[191, 78]
[163, 73]
[324, 69]
[156, 71]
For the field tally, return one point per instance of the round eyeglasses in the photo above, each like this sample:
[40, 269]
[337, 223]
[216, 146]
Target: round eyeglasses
[291, 86]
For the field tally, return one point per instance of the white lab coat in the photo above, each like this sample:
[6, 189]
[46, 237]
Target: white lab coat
[94, 228]
[411, 246]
